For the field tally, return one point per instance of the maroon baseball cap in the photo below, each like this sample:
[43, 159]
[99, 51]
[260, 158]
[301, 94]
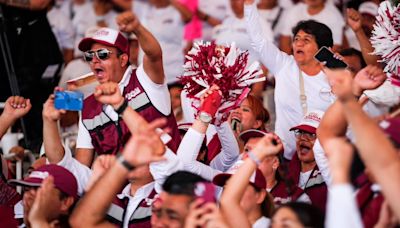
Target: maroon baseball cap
[64, 180]
[106, 36]
[257, 179]
[392, 128]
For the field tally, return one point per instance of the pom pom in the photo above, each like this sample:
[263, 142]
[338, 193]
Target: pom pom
[386, 38]
[227, 67]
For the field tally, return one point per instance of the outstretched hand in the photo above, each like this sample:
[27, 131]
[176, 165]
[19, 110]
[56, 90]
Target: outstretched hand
[145, 146]
[109, 93]
[370, 77]
[268, 145]
[49, 112]
[127, 22]
[354, 19]
[341, 81]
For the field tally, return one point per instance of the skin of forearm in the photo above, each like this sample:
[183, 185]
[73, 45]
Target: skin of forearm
[232, 194]
[366, 48]
[237, 184]
[148, 43]
[52, 141]
[333, 124]
[199, 126]
[6, 122]
[367, 135]
[27, 4]
[101, 195]
[133, 120]
[185, 12]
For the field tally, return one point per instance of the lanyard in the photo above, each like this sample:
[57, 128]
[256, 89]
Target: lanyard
[303, 97]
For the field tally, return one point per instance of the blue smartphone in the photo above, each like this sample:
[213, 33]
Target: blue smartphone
[68, 100]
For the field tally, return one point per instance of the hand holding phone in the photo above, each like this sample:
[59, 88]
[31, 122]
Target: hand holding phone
[327, 57]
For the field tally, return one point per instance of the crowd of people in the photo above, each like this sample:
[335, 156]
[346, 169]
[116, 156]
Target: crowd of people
[310, 146]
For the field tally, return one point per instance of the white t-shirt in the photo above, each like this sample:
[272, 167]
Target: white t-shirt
[329, 16]
[62, 28]
[85, 18]
[167, 27]
[262, 222]
[157, 93]
[234, 29]
[289, 112]
[219, 9]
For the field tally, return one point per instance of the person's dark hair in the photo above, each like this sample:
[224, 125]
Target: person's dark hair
[267, 206]
[354, 52]
[182, 183]
[308, 215]
[321, 32]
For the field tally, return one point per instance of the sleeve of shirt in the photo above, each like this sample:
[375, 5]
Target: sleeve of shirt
[83, 139]
[81, 172]
[286, 24]
[229, 148]
[342, 209]
[269, 54]
[188, 151]
[322, 162]
[158, 93]
[161, 170]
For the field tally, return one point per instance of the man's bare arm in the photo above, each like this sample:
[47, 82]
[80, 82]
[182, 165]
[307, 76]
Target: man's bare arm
[27, 4]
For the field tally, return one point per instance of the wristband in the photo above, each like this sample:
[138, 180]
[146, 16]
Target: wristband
[125, 163]
[254, 158]
[122, 108]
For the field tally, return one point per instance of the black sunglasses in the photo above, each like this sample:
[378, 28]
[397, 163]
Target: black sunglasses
[101, 54]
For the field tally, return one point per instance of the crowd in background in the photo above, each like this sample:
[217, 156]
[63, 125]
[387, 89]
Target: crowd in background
[308, 147]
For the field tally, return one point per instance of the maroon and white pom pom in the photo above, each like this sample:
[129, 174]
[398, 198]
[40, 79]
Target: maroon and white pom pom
[227, 67]
[386, 39]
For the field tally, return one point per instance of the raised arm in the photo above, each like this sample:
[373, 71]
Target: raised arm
[270, 56]
[51, 136]
[152, 60]
[237, 183]
[27, 4]
[185, 13]
[342, 210]
[354, 21]
[374, 147]
[140, 150]
[15, 108]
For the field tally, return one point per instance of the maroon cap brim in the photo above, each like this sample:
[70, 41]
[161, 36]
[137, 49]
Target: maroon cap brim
[220, 179]
[306, 128]
[29, 182]
[252, 133]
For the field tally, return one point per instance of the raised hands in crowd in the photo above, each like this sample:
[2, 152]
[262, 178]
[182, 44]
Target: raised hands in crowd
[15, 108]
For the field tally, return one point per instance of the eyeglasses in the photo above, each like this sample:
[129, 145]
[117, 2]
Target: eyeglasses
[309, 135]
[101, 54]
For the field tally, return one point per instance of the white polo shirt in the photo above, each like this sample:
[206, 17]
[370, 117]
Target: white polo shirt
[219, 9]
